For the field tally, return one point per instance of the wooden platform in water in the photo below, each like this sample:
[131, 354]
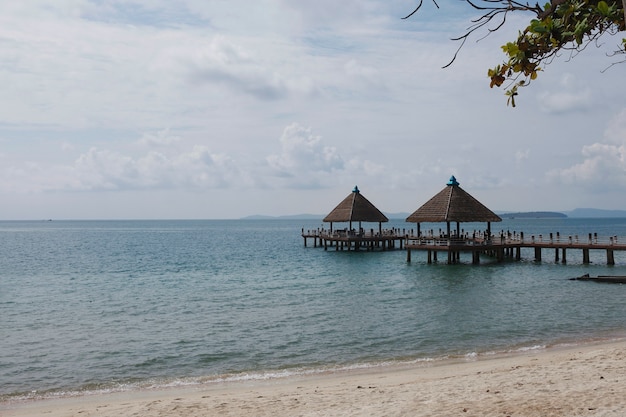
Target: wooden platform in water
[610, 279]
[503, 247]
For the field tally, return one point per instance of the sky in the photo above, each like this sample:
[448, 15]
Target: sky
[213, 109]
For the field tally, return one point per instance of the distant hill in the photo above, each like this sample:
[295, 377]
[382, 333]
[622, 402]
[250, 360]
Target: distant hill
[286, 217]
[394, 216]
[533, 215]
[577, 213]
[592, 212]
[401, 216]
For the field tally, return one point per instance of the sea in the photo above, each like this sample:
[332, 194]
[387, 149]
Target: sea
[89, 307]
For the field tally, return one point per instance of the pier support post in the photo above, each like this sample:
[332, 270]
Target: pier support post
[586, 256]
[475, 257]
[538, 254]
[430, 256]
[408, 256]
[564, 256]
[556, 255]
[610, 259]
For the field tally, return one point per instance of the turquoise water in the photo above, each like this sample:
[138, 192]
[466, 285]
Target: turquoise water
[111, 305]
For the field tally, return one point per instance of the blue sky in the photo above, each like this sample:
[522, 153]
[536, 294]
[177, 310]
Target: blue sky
[212, 109]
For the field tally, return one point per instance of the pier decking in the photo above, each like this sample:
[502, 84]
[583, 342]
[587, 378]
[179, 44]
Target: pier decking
[369, 240]
[510, 246]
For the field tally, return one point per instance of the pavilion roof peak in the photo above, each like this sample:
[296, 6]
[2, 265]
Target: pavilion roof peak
[452, 181]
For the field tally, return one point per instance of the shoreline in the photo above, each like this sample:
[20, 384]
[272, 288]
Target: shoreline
[585, 379]
[252, 376]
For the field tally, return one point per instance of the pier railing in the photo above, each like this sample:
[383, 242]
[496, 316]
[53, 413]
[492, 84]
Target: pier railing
[352, 233]
[369, 239]
[506, 244]
[518, 239]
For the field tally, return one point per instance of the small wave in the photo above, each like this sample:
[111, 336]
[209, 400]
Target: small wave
[530, 348]
[177, 382]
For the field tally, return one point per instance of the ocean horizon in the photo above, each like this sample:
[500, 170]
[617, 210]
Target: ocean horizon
[109, 305]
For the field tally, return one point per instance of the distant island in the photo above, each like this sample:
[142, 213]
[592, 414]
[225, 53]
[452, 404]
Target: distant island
[576, 213]
[533, 215]
[394, 216]
[593, 212]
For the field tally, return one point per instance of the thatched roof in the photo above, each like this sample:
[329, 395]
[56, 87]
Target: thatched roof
[355, 208]
[453, 204]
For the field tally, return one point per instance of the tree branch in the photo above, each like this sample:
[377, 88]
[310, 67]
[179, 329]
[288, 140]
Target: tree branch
[553, 5]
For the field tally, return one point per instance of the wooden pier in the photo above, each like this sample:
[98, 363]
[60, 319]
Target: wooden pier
[510, 246]
[369, 240]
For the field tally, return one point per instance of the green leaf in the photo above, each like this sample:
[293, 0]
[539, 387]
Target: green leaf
[603, 8]
[536, 26]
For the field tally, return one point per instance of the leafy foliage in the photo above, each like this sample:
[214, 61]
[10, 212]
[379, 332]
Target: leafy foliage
[560, 25]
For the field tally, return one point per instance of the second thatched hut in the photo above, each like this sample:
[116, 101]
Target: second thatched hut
[453, 204]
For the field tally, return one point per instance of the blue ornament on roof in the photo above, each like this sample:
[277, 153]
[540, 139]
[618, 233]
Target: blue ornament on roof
[453, 181]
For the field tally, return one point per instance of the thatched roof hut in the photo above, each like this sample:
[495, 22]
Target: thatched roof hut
[355, 208]
[453, 204]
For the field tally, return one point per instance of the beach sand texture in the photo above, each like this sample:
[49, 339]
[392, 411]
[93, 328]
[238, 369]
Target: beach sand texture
[587, 380]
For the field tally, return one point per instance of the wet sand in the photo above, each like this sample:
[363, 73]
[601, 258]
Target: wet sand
[586, 380]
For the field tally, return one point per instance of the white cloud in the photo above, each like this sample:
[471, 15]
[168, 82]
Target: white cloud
[571, 95]
[213, 82]
[521, 156]
[603, 167]
[161, 138]
[223, 63]
[616, 130]
[108, 170]
[198, 168]
[304, 159]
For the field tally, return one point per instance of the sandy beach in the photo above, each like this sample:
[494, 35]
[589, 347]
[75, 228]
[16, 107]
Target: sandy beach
[588, 380]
